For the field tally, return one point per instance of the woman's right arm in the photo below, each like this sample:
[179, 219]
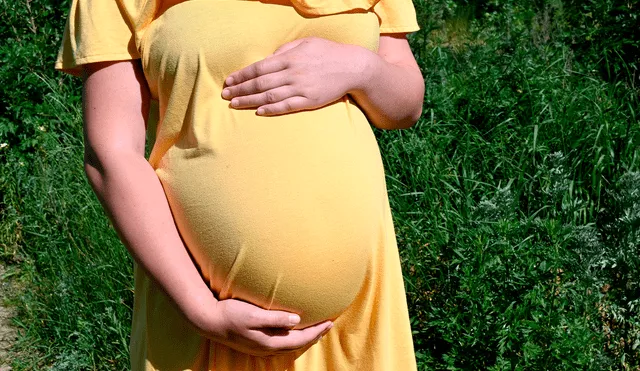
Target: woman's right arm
[116, 105]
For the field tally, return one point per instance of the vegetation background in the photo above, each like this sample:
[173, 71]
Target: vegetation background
[516, 197]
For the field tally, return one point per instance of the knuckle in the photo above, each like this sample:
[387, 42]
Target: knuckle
[282, 64]
[259, 68]
[258, 84]
[253, 317]
[243, 89]
[271, 96]
[287, 106]
[269, 320]
[239, 78]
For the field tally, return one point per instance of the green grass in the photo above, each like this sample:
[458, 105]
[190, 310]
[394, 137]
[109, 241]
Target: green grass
[516, 200]
[75, 310]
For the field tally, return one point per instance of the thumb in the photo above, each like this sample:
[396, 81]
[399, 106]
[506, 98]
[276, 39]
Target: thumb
[278, 319]
[288, 46]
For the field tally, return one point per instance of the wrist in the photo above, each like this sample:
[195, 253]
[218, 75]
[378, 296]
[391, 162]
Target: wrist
[201, 310]
[364, 66]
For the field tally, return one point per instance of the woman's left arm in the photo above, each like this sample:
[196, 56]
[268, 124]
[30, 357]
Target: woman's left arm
[312, 72]
[392, 96]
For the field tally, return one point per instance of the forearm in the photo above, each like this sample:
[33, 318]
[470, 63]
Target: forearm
[390, 95]
[133, 197]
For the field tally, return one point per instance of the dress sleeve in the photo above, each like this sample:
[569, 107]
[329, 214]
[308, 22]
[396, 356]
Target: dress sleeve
[396, 16]
[96, 31]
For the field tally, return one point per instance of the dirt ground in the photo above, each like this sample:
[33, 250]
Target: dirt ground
[7, 332]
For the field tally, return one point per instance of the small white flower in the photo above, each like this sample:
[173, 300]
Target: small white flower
[21, 163]
[2, 145]
[41, 128]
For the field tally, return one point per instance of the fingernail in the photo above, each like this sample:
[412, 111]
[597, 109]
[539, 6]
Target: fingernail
[294, 319]
[229, 81]
[226, 93]
[330, 326]
[260, 111]
[234, 103]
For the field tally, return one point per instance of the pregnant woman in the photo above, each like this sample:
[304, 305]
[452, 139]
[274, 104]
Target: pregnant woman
[260, 223]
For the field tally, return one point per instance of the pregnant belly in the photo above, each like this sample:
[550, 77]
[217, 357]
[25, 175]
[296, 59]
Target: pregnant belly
[282, 212]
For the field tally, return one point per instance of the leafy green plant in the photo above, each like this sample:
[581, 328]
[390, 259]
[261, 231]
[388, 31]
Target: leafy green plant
[31, 32]
[605, 32]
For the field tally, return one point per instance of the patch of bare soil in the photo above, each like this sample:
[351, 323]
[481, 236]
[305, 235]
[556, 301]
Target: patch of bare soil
[8, 333]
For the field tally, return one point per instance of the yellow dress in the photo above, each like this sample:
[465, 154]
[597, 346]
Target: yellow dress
[287, 212]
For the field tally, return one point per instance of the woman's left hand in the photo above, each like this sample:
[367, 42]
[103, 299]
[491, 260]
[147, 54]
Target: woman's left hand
[303, 74]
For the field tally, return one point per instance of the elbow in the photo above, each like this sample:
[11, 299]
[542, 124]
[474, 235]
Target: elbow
[405, 121]
[411, 113]
[416, 111]
[93, 169]
[105, 159]
[413, 118]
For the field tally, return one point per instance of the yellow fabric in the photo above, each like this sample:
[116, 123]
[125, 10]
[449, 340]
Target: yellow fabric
[96, 31]
[111, 30]
[287, 212]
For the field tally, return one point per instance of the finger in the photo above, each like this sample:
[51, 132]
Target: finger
[263, 319]
[258, 85]
[261, 99]
[288, 105]
[296, 339]
[288, 46]
[263, 67]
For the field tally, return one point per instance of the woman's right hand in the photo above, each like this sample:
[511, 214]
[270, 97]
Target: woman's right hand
[256, 331]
